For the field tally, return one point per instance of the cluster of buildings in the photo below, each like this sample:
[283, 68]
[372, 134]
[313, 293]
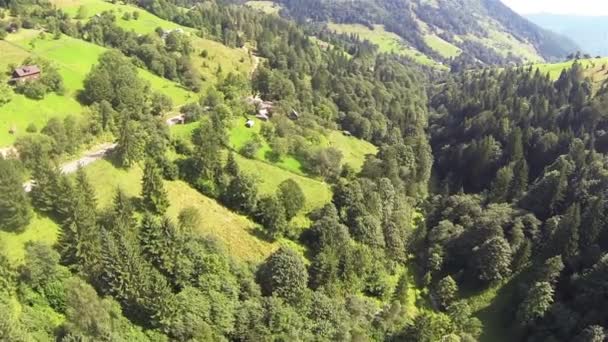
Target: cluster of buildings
[263, 110]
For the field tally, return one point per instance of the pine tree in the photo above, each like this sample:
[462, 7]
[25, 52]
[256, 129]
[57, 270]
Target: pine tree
[131, 143]
[122, 219]
[154, 195]
[536, 304]
[446, 291]
[567, 236]
[593, 221]
[79, 242]
[15, 208]
[502, 184]
[519, 185]
[45, 185]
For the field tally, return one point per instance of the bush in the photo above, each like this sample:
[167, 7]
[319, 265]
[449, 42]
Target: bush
[32, 89]
[31, 128]
[252, 147]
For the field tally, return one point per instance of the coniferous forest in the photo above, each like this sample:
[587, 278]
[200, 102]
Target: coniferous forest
[486, 183]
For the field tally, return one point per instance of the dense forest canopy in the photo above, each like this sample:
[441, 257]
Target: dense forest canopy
[488, 181]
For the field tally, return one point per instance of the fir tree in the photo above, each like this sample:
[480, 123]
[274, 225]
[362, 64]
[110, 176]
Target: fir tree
[15, 208]
[154, 195]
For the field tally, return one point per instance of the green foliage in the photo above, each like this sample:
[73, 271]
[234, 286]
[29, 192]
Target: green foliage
[6, 93]
[131, 143]
[114, 79]
[154, 195]
[292, 197]
[446, 291]
[15, 208]
[271, 215]
[536, 303]
[284, 275]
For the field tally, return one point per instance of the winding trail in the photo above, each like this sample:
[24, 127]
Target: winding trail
[89, 157]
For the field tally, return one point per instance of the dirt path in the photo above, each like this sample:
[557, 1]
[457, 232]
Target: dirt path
[94, 155]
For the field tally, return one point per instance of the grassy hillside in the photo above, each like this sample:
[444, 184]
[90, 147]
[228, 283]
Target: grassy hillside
[219, 55]
[240, 135]
[73, 67]
[265, 6]
[235, 232]
[596, 69]
[387, 42]
[353, 150]
[443, 47]
[269, 177]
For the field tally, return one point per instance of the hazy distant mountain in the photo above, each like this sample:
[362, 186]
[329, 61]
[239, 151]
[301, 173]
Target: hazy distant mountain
[485, 30]
[589, 32]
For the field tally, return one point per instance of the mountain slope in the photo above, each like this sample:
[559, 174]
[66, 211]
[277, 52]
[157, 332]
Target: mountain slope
[591, 33]
[486, 31]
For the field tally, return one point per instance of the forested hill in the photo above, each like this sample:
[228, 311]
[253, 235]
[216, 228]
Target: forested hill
[483, 31]
[272, 185]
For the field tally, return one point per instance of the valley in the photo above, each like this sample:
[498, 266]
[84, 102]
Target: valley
[372, 170]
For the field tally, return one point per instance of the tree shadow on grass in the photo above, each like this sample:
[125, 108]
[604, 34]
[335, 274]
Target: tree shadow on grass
[498, 316]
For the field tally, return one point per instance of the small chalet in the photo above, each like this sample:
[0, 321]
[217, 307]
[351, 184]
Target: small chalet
[262, 116]
[249, 123]
[294, 115]
[166, 33]
[26, 73]
[12, 28]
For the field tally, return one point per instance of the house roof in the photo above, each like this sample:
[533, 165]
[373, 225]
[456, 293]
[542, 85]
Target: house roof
[27, 70]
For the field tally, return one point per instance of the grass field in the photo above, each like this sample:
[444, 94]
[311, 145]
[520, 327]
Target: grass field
[444, 48]
[268, 7]
[269, 177]
[240, 135]
[73, 67]
[42, 229]
[386, 41]
[235, 232]
[353, 150]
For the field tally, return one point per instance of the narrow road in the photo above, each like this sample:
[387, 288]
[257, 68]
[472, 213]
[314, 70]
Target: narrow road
[99, 152]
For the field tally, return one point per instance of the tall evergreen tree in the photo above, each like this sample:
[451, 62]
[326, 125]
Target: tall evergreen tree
[131, 142]
[153, 193]
[80, 240]
[15, 208]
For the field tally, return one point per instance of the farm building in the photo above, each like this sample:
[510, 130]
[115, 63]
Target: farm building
[262, 116]
[294, 115]
[26, 73]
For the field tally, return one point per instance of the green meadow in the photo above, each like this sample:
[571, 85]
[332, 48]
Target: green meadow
[235, 232]
[386, 41]
[268, 7]
[446, 49]
[41, 229]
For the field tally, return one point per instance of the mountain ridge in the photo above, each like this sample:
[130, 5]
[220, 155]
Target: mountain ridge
[590, 31]
[486, 31]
